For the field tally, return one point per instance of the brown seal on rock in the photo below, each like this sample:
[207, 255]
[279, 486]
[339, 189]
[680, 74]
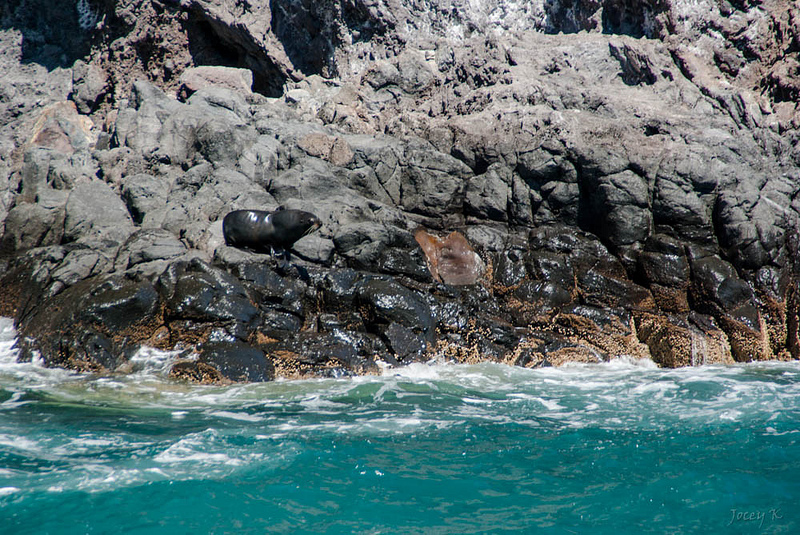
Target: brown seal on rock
[263, 231]
[451, 260]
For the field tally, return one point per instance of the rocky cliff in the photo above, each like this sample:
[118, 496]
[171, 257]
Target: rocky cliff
[525, 182]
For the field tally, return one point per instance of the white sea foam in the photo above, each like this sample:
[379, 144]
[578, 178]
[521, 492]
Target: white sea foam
[84, 445]
[476, 401]
[418, 371]
[13, 402]
[8, 337]
[207, 448]
[182, 453]
[549, 404]
[19, 443]
[730, 415]
[7, 491]
[268, 424]
[624, 392]
[148, 360]
[158, 472]
[241, 416]
[25, 374]
[774, 432]
[657, 389]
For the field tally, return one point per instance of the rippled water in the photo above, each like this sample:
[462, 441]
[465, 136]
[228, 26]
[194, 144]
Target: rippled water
[615, 448]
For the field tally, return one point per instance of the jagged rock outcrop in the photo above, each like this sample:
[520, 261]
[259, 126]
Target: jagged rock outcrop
[627, 174]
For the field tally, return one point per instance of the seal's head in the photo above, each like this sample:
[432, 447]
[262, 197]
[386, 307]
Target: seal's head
[291, 225]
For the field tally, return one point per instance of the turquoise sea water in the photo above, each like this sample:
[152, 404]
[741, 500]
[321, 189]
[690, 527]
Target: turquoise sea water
[622, 447]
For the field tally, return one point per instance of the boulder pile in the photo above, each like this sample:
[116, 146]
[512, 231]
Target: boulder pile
[522, 182]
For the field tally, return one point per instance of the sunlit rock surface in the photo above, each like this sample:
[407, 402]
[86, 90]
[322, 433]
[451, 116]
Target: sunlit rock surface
[583, 180]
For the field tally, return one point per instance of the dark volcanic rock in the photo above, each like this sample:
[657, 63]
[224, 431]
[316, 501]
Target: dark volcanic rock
[404, 343]
[117, 305]
[386, 302]
[200, 292]
[88, 86]
[612, 178]
[333, 354]
[237, 362]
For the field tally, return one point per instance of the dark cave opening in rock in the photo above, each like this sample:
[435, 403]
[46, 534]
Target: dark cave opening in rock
[626, 18]
[481, 165]
[570, 16]
[214, 44]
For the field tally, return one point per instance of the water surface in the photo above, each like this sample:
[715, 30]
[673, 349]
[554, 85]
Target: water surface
[615, 448]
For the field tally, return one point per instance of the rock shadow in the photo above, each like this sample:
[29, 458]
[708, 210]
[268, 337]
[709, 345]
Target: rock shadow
[53, 35]
[214, 43]
[636, 18]
[310, 32]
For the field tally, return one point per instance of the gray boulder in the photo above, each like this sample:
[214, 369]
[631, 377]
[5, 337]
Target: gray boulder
[95, 212]
[89, 85]
[488, 195]
[149, 249]
[145, 194]
[194, 79]
[38, 224]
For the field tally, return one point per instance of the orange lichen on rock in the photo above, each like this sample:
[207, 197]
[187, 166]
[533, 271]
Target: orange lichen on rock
[451, 260]
[197, 372]
[60, 127]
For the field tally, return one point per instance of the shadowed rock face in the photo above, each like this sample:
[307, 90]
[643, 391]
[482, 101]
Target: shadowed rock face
[623, 181]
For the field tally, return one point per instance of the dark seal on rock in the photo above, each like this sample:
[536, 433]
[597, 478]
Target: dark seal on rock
[263, 231]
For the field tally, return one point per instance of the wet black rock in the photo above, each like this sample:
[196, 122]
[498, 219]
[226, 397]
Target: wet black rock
[197, 291]
[386, 301]
[405, 344]
[118, 304]
[237, 361]
[312, 353]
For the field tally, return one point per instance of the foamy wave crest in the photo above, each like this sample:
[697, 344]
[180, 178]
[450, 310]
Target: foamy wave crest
[8, 339]
[151, 361]
[198, 448]
[17, 376]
